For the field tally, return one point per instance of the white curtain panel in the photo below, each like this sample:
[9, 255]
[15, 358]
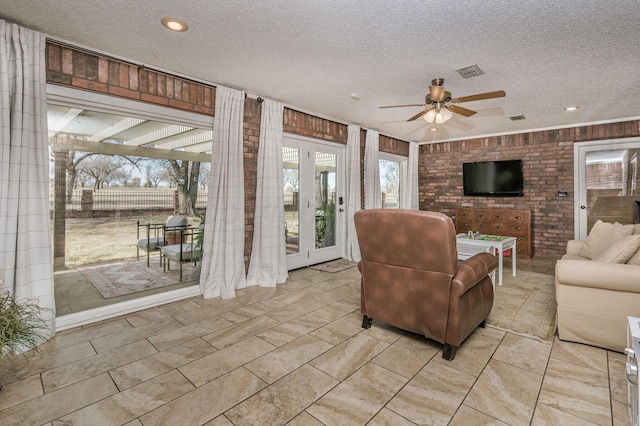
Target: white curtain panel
[26, 268]
[372, 194]
[223, 248]
[354, 198]
[268, 265]
[411, 200]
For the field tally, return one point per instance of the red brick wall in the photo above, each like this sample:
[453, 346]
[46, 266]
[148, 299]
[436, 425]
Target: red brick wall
[548, 166]
[251, 130]
[81, 70]
[299, 123]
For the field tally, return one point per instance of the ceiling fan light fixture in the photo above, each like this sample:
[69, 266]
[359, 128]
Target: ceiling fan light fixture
[430, 116]
[446, 113]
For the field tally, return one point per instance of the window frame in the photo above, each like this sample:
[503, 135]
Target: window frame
[71, 97]
[402, 161]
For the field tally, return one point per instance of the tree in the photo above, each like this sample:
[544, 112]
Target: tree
[104, 169]
[71, 166]
[391, 177]
[76, 164]
[186, 174]
[291, 177]
[158, 171]
[204, 175]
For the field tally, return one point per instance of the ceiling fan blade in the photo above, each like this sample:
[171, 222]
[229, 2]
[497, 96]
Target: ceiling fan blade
[400, 106]
[462, 111]
[436, 93]
[480, 96]
[418, 115]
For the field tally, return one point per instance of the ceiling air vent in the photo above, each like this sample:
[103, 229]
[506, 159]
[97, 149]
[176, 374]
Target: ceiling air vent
[470, 71]
[516, 117]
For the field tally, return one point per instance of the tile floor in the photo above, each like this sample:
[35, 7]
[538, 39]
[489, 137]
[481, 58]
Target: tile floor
[297, 355]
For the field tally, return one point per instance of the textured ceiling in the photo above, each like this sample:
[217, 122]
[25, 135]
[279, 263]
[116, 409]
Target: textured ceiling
[312, 55]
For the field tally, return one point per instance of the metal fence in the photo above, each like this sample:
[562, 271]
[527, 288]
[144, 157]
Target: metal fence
[128, 199]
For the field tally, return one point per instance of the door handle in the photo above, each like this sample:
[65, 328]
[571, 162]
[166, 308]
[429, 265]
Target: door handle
[583, 207]
[341, 210]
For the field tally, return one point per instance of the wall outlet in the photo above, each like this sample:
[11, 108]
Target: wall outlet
[563, 193]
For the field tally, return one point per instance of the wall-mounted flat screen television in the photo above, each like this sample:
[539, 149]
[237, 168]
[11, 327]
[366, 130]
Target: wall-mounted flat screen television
[493, 178]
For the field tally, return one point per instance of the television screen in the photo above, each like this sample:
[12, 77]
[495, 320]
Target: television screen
[493, 178]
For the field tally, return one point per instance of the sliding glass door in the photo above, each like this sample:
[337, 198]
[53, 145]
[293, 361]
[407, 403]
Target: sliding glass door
[606, 183]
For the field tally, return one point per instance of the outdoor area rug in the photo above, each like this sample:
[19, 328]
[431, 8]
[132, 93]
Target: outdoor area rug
[118, 279]
[525, 305]
[334, 266]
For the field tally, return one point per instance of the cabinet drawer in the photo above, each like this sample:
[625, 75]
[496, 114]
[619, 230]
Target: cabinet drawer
[522, 249]
[463, 215]
[500, 228]
[518, 229]
[518, 216]
[482, 216]
[522, 242]
[482, 227]
[500, 216]
[464, 226]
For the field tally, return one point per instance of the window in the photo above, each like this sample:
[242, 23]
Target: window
[392, 179]
[116, 166]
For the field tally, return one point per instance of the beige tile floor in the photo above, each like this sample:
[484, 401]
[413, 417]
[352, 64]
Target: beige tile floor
[297, 355]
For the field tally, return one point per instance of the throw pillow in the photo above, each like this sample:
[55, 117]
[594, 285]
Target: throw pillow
[620, 251]
[601, 236]
[636, 228]
[635, 259]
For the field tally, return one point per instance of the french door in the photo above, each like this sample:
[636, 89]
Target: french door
[606, 183]
[314, 202]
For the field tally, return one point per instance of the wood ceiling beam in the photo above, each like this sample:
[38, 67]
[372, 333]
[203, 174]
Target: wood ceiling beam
[65, 143]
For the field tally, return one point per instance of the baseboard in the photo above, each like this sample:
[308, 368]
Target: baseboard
[78, 319]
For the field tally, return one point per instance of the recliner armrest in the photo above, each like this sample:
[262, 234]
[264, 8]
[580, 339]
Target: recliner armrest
[472, 271]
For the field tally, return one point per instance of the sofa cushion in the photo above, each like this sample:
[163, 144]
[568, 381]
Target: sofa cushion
[620, 251]
[636, 228]
[601, 236]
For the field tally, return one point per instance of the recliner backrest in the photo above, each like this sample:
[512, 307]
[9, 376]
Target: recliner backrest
[408, 238]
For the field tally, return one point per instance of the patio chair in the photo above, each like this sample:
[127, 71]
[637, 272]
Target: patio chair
[189, 250]
[157, 235]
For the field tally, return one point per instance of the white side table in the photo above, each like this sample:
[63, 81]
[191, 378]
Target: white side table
[469, 246]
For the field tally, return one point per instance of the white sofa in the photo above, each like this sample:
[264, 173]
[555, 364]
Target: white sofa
[598, 285]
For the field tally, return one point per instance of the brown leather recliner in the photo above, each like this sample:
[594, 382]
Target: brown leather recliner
[412, 280]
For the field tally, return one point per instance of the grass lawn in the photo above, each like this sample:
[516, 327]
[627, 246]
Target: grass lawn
[91, 241]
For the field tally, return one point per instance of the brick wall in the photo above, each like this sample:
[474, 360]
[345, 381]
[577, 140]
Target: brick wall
[299, 123]
[82, 70]
[548, 166]
[251, 130]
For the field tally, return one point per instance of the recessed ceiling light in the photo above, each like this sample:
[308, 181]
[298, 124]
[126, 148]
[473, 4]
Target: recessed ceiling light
[355, 96]
[571, 108]
[174, 24]
[433, 129]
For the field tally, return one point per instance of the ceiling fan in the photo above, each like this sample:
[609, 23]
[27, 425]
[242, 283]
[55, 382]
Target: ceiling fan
[439, 105]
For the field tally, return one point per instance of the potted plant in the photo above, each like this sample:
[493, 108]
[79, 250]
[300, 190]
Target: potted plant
[21, 326]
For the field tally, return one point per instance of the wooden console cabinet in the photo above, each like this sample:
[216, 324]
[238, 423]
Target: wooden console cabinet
[506, 222]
